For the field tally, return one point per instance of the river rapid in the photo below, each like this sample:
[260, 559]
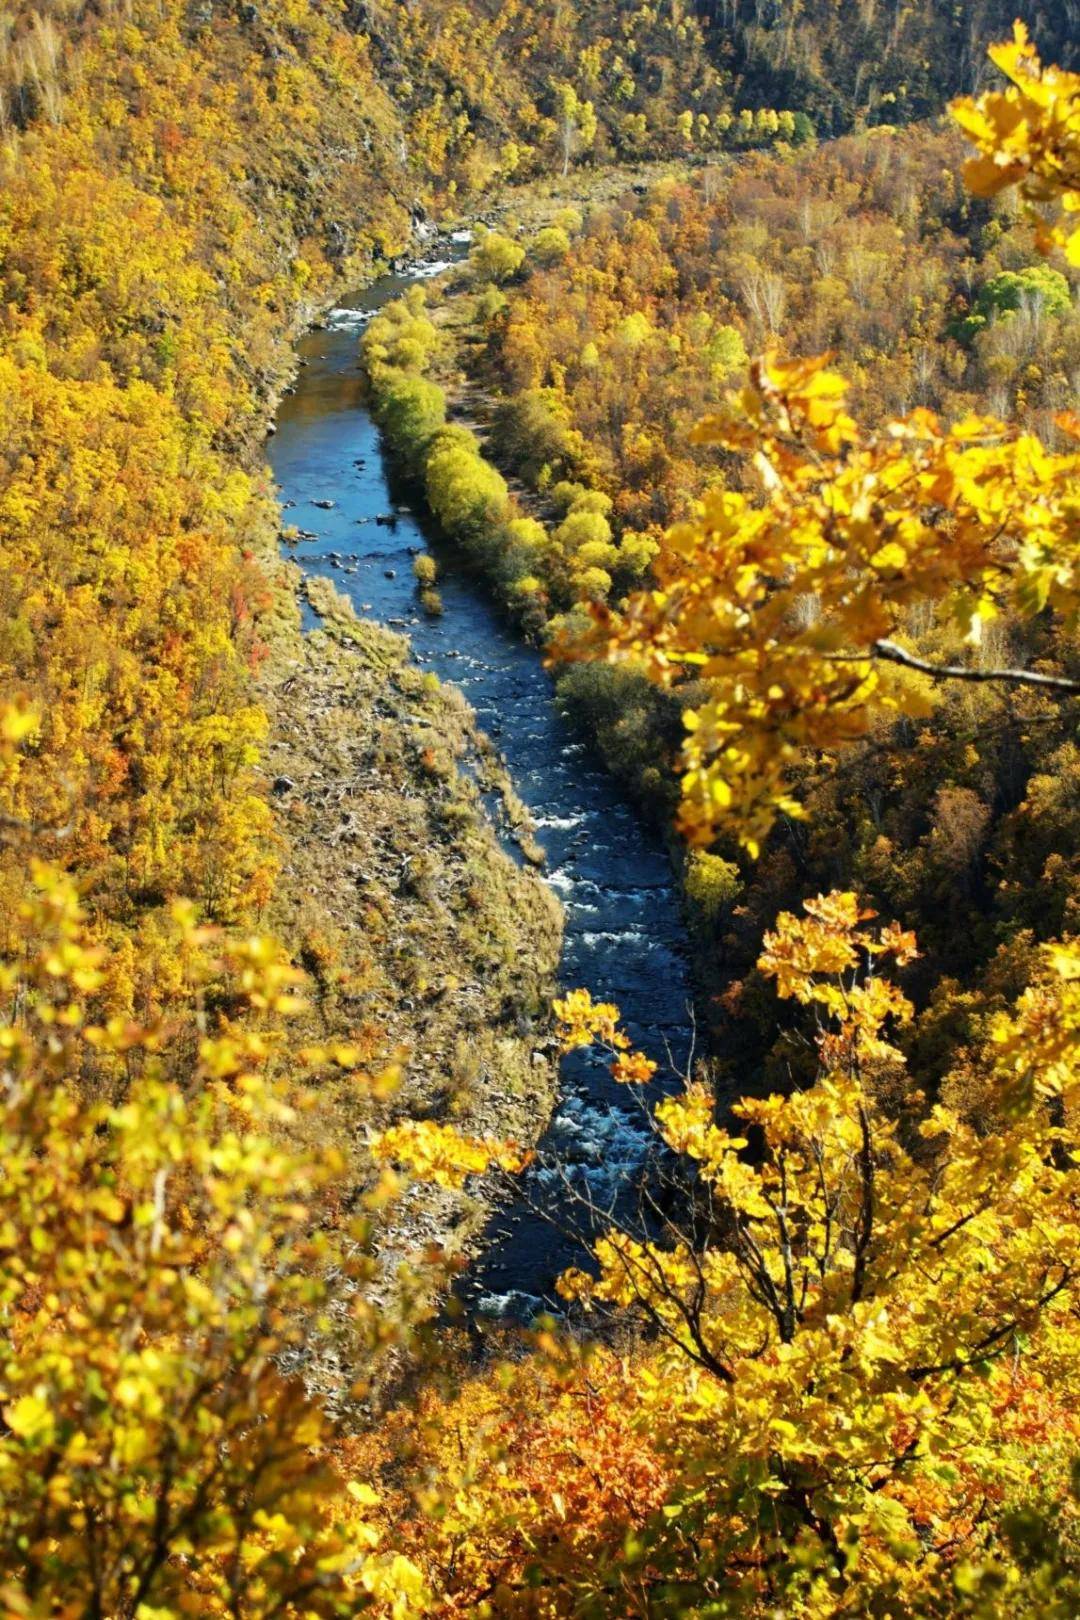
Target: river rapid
[624, 935]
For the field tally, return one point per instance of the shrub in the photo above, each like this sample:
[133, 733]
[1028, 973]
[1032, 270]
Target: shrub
[464, 491]
[531, 431]
[593, 500]
[593, 584]
[578, 528]
[411, 410]
[402, 335]
[565, 493]
[635, 726]
[528, 533]
[597, 554]
[490, 304]
[550, 246]
[711, 885]
[636, 552]
[495, 257]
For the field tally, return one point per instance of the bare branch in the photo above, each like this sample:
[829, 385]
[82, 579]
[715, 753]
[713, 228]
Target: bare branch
[891, 653]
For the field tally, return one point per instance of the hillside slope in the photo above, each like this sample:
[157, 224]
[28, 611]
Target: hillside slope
[182, 190]
[873, 60]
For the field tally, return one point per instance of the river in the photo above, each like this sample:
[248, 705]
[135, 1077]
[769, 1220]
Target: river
[624, 934]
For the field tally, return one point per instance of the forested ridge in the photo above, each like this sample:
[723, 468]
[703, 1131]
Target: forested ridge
[279, 1011]
[874, 60]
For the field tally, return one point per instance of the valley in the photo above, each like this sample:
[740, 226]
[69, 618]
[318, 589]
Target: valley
[539, 810]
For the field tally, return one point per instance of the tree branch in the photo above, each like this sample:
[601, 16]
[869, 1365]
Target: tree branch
[891, 653]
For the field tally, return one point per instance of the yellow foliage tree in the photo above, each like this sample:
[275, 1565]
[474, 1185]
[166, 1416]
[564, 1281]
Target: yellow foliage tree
[791, 603]
[857, 1354]
[159, 1266]
[1029, 137]
[788, 606]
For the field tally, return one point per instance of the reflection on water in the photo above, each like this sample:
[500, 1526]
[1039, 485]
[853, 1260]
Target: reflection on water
[624, 935]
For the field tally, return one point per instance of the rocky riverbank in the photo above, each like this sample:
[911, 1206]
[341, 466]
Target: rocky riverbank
[425, 943]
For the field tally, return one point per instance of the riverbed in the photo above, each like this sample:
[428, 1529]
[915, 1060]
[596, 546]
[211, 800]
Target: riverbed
[624, 940]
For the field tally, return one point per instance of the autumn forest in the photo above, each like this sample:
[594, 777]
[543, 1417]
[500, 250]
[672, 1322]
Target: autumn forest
[539, 809]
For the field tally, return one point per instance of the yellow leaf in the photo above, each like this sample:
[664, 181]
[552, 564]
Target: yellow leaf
[29, 1417]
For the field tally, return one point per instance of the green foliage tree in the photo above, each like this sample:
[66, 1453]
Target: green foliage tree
[465, 492]
[1036, 291]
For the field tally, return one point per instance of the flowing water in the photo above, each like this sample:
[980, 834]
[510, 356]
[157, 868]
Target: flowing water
[624, 935]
